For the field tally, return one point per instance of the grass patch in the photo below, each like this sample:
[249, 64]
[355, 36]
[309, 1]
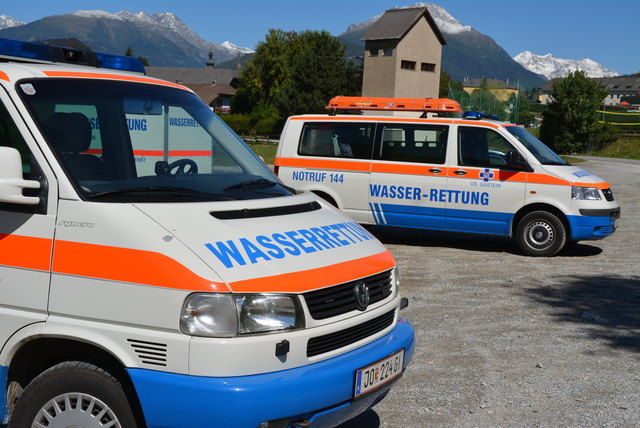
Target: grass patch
[622, 148]
[266, 151]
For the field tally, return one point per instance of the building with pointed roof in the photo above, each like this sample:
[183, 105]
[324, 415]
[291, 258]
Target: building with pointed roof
[403, 55]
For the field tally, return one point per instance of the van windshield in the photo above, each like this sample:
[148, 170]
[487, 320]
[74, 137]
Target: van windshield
[544, 154]
[135, 142]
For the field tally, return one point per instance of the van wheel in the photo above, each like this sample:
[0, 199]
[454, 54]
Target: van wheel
[541, 234]
[73, 394]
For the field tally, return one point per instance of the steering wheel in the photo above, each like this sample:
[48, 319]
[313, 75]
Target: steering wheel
[183, 166]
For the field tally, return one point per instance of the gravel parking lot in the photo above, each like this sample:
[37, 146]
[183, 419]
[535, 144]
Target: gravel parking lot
[504, 340]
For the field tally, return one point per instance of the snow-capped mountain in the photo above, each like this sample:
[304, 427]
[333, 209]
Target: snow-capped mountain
[163, 38]
[445, 22]
[8, 22]
[236, 50]
[170, 22]
[552, 67]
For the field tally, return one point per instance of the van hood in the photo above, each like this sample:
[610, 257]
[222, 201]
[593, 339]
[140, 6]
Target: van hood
[284, 244]
[573, 174]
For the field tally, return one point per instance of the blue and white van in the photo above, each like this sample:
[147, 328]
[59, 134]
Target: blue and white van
[468, 174]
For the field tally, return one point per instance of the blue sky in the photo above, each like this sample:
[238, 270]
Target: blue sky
[604, 31]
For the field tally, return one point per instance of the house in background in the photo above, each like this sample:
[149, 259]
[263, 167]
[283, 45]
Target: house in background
[403, 55]
[214, 86]
[619, 89]
[502, 90]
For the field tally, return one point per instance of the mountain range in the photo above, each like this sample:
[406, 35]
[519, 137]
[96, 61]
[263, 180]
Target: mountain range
[162, 38]
[167, 41]
[552, 67]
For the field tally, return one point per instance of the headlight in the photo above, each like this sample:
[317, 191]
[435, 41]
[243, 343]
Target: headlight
[228, 315]
[585, 193]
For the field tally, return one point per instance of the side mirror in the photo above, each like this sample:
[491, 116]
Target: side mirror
[515, 160]
[11, 181]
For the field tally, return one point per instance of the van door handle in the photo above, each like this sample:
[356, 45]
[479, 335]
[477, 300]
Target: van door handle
[460, 172]
[435, 170]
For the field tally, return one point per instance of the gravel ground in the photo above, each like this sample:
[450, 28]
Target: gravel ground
[504, 340]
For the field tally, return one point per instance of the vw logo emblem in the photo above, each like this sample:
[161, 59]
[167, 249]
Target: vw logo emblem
[361, 292]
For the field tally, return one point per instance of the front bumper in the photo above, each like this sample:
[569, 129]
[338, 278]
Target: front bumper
[593, 224]
[320, 393]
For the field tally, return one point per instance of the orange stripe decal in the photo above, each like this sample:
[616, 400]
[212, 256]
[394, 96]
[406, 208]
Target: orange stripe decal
[312, 279]
[25, 252]
[4, 76]
[127, 265]
[51, 73]
[343, 165]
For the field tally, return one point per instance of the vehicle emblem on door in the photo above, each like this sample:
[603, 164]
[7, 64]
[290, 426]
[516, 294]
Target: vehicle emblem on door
[486, 174]
[361, 292]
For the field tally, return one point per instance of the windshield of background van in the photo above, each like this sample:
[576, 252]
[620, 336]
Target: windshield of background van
[131, 142]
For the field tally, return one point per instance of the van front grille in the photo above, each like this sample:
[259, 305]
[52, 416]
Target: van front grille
[340, 299]
[608, 195]
[332, 341]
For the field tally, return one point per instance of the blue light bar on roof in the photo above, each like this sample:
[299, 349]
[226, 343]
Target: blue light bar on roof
[18, 49]
[117, 62]
[15, 49]
[477, 115]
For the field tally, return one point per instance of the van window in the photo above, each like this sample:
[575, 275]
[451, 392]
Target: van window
[482, 147]
[10, 137]
[343, 140]
[413, 143]
[128, 142]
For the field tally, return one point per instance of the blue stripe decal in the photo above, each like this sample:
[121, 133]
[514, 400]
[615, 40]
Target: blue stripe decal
[486, 222]
[414, 216]
[470, 221]
[4, 412]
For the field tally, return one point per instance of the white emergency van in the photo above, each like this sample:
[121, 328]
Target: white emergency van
[155, 273]
[467, 174]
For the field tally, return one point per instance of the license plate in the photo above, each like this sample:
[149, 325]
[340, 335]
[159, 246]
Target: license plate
[377, 374]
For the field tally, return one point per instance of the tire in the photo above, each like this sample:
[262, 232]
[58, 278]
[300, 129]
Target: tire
[73, 394]
[541, 234]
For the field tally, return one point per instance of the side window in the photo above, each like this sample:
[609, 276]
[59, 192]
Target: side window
[413, 143]
[338, 140]
[482, 147]
[10, 137]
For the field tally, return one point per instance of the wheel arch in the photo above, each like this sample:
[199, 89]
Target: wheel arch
[539, 207]
[35, 356]
[327, 197]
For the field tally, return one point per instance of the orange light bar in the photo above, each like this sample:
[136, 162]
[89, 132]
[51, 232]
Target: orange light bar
[394, 104]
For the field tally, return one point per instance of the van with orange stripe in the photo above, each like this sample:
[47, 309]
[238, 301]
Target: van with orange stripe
[470, 174]
[154, 272]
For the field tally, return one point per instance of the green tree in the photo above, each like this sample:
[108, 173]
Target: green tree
[263, 75]
[295, 73]
[318, 72]
[570, 122]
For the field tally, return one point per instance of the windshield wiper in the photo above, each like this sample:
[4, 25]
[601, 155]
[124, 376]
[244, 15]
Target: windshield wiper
[260, 182]
[170, 189]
